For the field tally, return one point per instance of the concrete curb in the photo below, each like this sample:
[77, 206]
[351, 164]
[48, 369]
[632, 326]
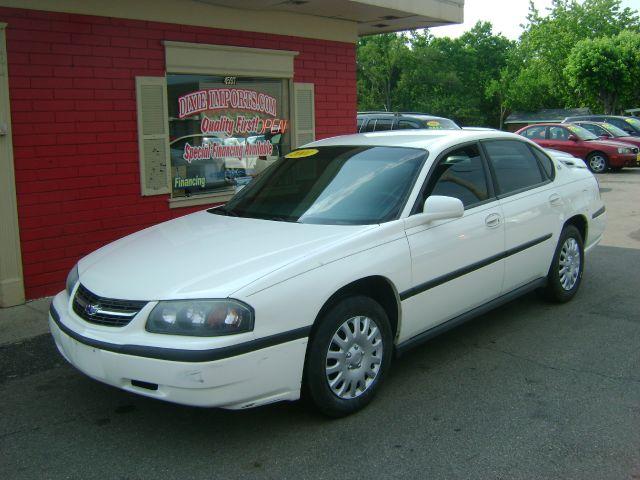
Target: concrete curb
[24, 321]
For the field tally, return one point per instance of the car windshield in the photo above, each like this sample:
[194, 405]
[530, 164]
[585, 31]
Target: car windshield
[331, 185]
[440, 124]
[615, 131]
[582, 133]
[634, 122]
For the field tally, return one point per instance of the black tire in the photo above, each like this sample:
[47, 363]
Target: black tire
[597, 162]
[316, 387]
[555, 290]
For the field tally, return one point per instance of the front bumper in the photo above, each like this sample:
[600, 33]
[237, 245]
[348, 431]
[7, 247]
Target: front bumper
[248, 379]
[625, 160]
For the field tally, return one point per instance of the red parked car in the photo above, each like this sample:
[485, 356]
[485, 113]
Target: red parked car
[605, 131]
[599, 155]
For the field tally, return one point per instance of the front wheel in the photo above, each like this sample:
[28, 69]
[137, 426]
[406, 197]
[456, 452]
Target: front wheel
[348, 356]
[565, 274]
[597, 162]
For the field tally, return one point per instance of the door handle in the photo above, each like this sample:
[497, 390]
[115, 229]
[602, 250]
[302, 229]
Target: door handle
[492, 221]
[555, 200]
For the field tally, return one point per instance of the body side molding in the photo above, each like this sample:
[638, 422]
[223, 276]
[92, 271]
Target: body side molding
[470, 268]
[598, 212]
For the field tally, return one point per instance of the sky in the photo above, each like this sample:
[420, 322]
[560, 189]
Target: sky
[505, 15]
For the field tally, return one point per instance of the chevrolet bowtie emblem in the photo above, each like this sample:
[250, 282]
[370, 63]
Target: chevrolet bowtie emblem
[91, 309]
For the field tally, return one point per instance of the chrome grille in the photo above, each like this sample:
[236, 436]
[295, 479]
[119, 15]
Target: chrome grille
[104, 311]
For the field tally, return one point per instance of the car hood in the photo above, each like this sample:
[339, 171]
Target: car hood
[202, 255]
[558, 153]
[607, 143]
[635, 141]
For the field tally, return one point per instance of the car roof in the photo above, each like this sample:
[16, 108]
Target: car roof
[422, 116]
[545, 124]
[383, 112]
[416, 138]
[585, 117]
[593, 122]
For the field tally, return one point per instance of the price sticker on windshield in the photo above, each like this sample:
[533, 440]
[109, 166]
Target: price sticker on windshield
[305, 152]
[433, 124]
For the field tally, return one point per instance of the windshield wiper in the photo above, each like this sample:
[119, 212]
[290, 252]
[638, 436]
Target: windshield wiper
[223, 211]
[279, 219]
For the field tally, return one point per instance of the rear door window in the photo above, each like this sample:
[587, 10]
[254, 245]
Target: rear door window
[535, 133]
[546, 162]
[514, 165]
[369, 126]
[406, 125]
[383, 124]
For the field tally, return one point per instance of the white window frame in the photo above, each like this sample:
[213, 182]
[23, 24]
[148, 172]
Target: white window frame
[224, 60]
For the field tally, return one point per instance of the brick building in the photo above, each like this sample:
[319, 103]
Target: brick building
[118, 115]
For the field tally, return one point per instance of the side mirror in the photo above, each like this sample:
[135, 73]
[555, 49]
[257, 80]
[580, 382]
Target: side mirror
[604, 136]
[436, 207]
[573, 138]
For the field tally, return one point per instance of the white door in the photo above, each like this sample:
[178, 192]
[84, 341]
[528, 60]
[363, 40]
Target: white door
[531, 206]
[456, 264]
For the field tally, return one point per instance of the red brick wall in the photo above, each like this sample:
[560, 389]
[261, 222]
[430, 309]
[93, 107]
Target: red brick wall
[71, 80]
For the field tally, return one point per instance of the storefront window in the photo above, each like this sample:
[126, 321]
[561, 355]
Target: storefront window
[224, 130]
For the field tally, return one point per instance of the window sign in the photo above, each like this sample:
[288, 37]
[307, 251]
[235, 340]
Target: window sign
[224, 130]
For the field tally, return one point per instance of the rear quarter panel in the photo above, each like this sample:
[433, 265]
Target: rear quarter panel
[581, 196]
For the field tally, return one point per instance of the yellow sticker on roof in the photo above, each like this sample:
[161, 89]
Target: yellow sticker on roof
[305, 152]
[433, 123]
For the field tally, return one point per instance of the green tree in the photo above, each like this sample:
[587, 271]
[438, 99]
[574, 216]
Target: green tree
[489, 54]
[518, 86]
[379, 62]
[448, 77]
[547, 41]
[605, 70]
[480, 77]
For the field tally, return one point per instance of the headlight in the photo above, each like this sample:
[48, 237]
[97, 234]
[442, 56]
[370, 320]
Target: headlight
[72, 279]
[624, 150]
[200, 318]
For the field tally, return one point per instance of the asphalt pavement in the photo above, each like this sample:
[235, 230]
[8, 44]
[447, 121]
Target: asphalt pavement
[529, 391]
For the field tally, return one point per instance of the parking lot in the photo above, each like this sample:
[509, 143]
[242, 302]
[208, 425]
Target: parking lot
[529, 391]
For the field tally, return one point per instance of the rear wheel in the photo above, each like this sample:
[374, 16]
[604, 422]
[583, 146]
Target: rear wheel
[565, 274]
[597, 162]
[348, 356]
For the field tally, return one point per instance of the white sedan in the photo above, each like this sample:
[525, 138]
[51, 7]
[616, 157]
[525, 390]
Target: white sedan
[340, 255]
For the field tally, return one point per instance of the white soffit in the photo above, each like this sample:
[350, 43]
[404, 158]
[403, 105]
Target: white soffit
[371, 16]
